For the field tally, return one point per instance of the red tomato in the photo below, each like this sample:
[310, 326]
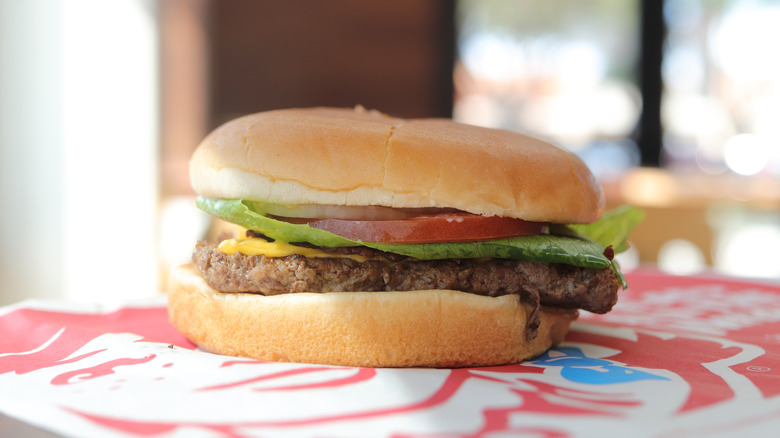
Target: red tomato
[449, 227]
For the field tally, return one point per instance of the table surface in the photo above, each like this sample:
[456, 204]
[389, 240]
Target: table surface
[699, 355]
[11, 427]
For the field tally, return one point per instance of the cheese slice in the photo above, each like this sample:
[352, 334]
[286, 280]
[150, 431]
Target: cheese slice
[259, 246]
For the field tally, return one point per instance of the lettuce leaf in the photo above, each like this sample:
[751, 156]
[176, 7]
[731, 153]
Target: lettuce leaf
[581, 245]
[613, 227]
[248, 215]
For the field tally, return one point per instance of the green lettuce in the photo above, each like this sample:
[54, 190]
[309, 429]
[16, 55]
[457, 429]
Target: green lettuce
[613, 227]
[577, 245]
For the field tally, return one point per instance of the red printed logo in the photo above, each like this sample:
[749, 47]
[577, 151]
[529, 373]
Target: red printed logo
[666, 352]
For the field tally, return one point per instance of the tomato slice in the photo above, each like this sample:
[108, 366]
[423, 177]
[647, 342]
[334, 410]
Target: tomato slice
[448, 227]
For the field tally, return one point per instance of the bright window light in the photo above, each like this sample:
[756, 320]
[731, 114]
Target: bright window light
[749, 250]
[110, 101]
[681, 257]
[746, 154]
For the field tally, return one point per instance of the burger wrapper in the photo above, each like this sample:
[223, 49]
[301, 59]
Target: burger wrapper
[678, 356]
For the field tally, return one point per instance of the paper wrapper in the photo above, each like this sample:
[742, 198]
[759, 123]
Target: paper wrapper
[678, 356]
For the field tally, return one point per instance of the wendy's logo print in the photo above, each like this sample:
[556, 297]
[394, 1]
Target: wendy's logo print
[695, 357]
[576, 367]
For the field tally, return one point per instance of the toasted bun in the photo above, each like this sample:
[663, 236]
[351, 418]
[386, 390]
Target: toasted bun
[440, 328]
[358, 157]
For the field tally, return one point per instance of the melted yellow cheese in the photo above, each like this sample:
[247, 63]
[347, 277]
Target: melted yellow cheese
[258, 246]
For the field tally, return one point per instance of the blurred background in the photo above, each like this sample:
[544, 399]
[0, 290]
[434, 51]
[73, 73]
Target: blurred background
[674, 104]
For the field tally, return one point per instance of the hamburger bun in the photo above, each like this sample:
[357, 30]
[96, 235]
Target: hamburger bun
[430, 328]
[356, 157]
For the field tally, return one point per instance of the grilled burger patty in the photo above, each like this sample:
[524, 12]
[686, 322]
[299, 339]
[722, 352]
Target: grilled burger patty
[558, 285]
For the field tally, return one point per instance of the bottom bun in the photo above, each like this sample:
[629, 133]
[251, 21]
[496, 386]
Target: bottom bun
[430, 328]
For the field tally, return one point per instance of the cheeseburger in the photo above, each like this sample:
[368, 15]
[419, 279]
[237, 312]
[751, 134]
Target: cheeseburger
[385, 242]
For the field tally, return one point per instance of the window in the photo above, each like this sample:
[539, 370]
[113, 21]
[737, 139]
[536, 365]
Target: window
[564, 70]
[722, 87]
[690, 88]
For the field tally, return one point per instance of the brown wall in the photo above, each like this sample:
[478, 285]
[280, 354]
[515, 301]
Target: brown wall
[225, 58]
[395, 56]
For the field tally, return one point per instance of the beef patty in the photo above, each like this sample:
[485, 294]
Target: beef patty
[558, 285]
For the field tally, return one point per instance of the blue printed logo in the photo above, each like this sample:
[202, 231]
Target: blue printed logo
[579, 368]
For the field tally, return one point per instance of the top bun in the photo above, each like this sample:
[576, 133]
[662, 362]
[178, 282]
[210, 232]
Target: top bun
[357, 157]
